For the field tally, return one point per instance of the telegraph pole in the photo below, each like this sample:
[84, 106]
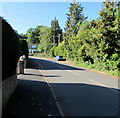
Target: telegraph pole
[54, 39]
[74, 1]
[59, 38]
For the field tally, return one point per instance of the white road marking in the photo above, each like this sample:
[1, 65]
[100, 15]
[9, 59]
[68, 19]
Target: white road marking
[60, 66]
[55, 98]
[79, 75]
[91, 80]
[69, 70]
[96, 82]
[74, 72]
[104, 86]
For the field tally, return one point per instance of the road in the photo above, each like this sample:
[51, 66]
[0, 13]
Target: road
[80, 92]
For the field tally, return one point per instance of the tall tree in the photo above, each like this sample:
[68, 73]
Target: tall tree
[46, 40]
[108, 16]
[33, 35]
[74, 17]
[56, 31]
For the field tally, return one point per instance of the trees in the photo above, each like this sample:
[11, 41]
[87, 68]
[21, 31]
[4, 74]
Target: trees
[108, 17]
[50, 38]
[56, 32]
[99, 42]
[94, 43]
[23, 48]
[46, 40]
[33, 35]
[23, 36]
[75, 17]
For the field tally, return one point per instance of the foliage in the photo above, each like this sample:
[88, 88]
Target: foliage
[60, 50]
[33, 35]
[93, 44]
[23, 48]
[75, 17]
[10, 50]
[56, 32]
[46, 40]
[108, 17]
[22, 36]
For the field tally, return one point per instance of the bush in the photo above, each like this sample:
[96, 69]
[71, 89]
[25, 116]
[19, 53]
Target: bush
[10, 50]
[23, 48]
[60, 50]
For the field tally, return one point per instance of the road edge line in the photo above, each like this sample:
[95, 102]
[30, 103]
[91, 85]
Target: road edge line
[53, 93]
[104, 86]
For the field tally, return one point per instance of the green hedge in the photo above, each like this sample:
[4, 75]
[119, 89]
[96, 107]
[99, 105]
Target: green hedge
[23, 48]
[10, 50]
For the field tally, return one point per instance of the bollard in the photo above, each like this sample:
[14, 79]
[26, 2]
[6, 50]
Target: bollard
[21, 67]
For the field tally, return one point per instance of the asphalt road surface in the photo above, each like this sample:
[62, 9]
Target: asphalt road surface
[80, 92]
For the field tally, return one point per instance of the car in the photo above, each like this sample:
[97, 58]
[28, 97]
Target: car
[59, 58]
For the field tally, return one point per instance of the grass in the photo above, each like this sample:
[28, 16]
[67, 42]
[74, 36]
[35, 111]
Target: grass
[115, 73]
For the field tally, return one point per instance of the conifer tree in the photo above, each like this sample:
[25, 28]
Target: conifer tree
[56, 31]
[74, 17]
[109, 23]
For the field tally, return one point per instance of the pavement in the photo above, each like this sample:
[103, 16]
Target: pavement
[32, 97]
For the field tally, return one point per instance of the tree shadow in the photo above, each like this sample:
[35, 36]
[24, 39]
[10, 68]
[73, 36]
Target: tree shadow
[34, 99]
[52, 65]
[30, 64]
[81, 99]
[31, 99]
[42, 75]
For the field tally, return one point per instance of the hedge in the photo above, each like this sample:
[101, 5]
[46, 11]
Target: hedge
[23, 48]
[10, 50]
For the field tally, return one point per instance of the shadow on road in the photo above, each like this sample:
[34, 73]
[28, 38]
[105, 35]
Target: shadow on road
[79, 99]
[42, 75]
[53, 65]
[31, 99]
[31, 65]
[34, 99]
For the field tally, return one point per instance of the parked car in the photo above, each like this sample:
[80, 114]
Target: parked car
[59, 58]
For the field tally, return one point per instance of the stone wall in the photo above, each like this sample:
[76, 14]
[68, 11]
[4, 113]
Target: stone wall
[0, 100]
[8, 87]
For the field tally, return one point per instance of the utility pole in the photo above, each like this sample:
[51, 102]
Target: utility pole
[59, 35]
[74, 1]
[53, 39]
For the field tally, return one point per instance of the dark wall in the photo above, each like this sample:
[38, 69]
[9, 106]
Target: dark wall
[10, 50]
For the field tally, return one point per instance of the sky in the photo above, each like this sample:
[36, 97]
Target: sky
[25, 15]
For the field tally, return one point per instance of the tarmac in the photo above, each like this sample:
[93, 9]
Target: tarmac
[32, 97]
